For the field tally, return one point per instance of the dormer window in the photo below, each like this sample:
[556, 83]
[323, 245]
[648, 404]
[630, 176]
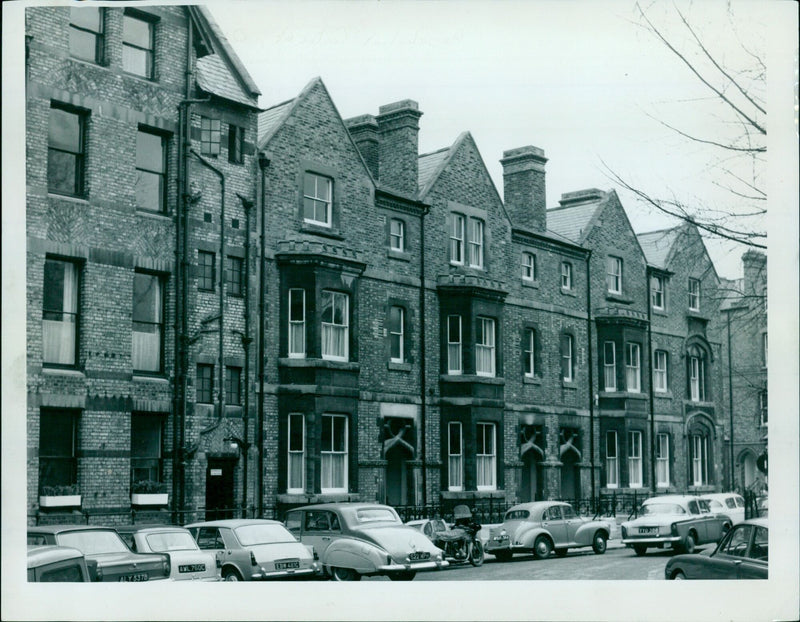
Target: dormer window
[317, 199]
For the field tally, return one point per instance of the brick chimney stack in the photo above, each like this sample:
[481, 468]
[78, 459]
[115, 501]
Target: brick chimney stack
[364, 131]
[523, 187]
[755, 273]
[398, 145]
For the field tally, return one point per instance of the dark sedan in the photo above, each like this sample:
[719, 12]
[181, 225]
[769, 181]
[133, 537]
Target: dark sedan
[742, 554]
[109, 557]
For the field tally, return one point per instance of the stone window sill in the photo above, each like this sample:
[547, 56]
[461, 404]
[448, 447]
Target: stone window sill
[321, 230]
[534, 380]
[569, 384]
[530, 283]
[661, 312]
[145, 377]
[68, 197]
[398, 255]
[666, 395]
[154, 215]
[394, 366]
[323, 363]
[568, 292]
[472, 378]
[63, 371]
[613, 297]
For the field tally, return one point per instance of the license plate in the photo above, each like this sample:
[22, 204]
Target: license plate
[648, 530]
[418, 555]
[192, 568]
[287, 565]
[139, 576]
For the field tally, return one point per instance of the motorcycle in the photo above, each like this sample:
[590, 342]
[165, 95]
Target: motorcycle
[462, 543]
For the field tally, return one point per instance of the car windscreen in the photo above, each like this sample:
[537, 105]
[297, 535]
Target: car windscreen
[517, 515]
[661, 508]
[165, 541]
[249, 535]
[93, 542]
[373, 515]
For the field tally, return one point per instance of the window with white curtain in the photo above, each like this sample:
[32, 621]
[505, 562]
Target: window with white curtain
[484, 347]
[455, 467]
[454, 344]
[610, 365]
[614, 274]
[475, 243]
[567, 358]
[396, 334]
[397, 234]
[529, 267]
[530, 352]
[486, 456]
[697, 375]
[335, 326]
[660, 371]
[612, 464]
[148, 322]
[633, 369]
[456, 239]
[333, 454]
[662, 460]
[60, 313]
[699, 448]
[634, 459]
[297, 323]
[657, 292]
[694, 294]
[566, 275]
[296, 480]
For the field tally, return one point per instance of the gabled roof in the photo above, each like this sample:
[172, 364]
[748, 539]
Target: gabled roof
[271, 118]
[573, 221]
[221, 72]
[657, 245]
[430, 166]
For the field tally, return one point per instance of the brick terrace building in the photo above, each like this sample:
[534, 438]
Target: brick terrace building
[382, 326]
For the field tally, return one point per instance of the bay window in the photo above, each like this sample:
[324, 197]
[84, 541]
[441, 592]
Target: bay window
[297, 323]
[455, 453]
[485, 347]
[633, 371]
[486, 456]
[610, 365]
[296, 477]
[634, 459]
[454, 344]
[335, 326]
[612, 465]
[662, 460]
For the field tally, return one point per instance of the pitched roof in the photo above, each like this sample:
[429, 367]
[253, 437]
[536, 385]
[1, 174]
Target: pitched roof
[572, 221]
[270, 119]
[214, 76]
[657, 245]
[430, 165]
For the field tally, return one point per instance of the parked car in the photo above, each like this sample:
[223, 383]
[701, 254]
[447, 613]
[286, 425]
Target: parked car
[357, 539]
[105, 551]
[187, 561]
[541, 527]
[57, 563]
[429, 526]
[742, 554]
[678, 521]
[728, 503]
[254, 549]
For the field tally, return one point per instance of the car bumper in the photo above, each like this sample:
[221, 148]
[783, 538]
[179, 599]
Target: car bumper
[433, 565]
[279, 574]
[651, 540]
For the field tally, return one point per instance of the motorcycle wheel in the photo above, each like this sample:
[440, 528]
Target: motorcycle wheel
[476, 553]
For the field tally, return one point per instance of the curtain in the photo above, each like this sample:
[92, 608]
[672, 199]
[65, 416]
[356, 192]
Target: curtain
[297, 342]
[333, 470]
[296, 470]
[58, 335]
[485, 465]
[455, 472]
[334, 339]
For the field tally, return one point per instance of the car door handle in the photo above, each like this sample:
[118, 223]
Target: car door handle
[326, 537]
[737, 562]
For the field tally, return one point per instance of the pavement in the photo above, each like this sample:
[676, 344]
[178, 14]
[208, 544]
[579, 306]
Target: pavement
[614, 541]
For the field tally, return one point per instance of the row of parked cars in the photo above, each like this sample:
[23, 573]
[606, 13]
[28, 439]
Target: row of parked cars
[345, 541]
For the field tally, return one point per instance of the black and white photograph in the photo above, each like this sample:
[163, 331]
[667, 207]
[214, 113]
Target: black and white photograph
[463, 302]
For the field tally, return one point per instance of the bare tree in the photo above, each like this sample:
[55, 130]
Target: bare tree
[736, 142]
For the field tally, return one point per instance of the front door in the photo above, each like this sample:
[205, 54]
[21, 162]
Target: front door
[570, 478]
[532, 478]
[219, 488]
[397, 476]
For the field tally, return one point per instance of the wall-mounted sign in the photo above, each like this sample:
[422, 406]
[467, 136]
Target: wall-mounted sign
[213, 472]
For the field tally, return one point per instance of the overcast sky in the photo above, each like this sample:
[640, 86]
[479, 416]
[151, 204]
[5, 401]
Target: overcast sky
[581, 80]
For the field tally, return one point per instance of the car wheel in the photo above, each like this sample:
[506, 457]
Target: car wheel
[503, 556]
[404, 575]
[561, 552]
[599, 544]
[688, 544]
[640, 549]
[678, 575]
[542, 547]
[231, 574]
[345, 574]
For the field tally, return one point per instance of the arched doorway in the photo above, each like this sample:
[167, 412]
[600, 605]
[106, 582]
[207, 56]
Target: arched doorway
[398, 475]
[747, 469]
[570, 475]
[532, 477]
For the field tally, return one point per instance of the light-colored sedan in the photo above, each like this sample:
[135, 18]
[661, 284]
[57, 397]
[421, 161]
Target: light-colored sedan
[357, 539]
[254, 549]
[728, 503]
[542, 527]
[678, 521]
[431, 527]
[188, 562]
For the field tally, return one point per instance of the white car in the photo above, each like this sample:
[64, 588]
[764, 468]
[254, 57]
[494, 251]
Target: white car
[728, 503]
[188, 562]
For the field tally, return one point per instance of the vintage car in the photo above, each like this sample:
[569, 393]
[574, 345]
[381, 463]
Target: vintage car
[254, 549]
[356, 539]
[541, 527]
[742, 554]
[429, 526]
[56, 563]
[678, 521]
[106, 553]
[728, 503]
[187, 561]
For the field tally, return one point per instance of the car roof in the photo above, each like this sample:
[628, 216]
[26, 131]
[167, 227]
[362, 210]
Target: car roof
[670, 499]
[148, 528]
[758, 522]
[720, 495]
[233, 523]
[56, 529]
[534, 506]
[40, 555]
[342, 506]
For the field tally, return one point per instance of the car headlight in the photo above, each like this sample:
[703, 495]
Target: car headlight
[673, 528]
